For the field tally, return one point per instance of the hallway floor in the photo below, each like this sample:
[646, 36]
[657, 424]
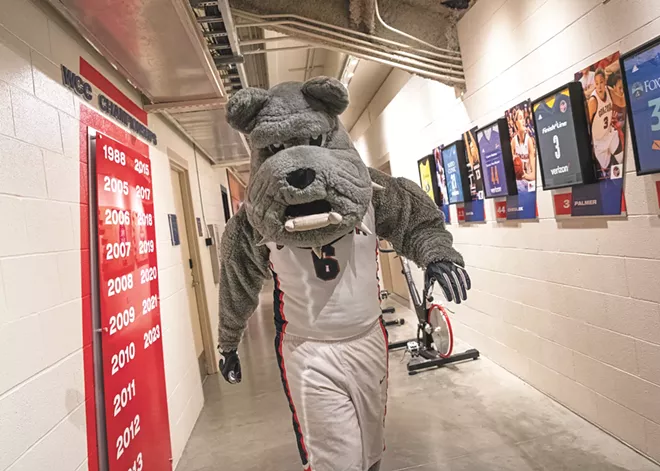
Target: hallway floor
[471, 416]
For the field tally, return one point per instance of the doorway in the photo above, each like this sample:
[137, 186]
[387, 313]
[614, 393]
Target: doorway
[191, 262]
[393, 280]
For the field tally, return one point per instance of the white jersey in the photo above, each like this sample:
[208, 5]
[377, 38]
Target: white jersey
[522, 151]
[601, 124]
[331, 298]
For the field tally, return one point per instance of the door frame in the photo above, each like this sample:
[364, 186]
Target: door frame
[180, 166]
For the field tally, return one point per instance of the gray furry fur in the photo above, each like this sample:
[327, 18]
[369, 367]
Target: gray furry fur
[291, 114]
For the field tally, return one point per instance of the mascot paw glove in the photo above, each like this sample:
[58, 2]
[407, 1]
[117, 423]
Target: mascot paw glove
[452, 278]
[230, 366]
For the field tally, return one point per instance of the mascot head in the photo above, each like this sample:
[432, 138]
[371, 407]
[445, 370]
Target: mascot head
[308, 185]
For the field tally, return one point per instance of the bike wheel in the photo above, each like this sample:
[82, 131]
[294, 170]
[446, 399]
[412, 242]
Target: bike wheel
[442, 333]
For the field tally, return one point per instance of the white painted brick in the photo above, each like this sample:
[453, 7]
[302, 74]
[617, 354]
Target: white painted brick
[31, 410]
[21, 169]
[26, 21]
[632, 237]
[6, 113]
[69, 271]
[611, 348]
[47, 86]
[67, 442]
[13, 237]
[643, 277]
[35, 121]
[621, 421]
[652, 439]
[555, 356]
[15, 59]
[648, 357]
[25, 276]
[70, 129]
[61, 329]
[49, 225]
[641, 196]
[22, 340]
[591, 272]
[637, 394]
[62, 177]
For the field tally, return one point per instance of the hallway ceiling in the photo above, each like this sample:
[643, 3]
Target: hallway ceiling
[187, 57]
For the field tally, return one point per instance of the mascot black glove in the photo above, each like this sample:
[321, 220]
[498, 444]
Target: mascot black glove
[452, 278]
[230, 366]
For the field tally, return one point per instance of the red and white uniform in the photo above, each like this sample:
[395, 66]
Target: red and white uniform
[332, 349]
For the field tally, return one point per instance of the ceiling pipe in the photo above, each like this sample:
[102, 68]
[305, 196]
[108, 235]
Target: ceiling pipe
[412, 58]
[253, 42]
[371, 37]
[402, 33]
[278, 49]
[232, 36]
[390, 59]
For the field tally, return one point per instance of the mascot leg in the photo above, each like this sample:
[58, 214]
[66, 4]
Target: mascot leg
[375, 467]
[337, 393]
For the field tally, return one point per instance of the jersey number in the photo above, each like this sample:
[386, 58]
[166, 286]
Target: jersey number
[655, 114]
[606, 122]
[327, 267]
[555, 139]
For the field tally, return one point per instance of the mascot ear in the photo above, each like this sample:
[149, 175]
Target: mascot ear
[243, 108]
[326, 94]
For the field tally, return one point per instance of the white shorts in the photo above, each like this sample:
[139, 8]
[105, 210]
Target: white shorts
[337, 392]
[606, 147]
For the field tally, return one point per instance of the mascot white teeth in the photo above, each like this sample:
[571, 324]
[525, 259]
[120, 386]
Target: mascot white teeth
[311, 221]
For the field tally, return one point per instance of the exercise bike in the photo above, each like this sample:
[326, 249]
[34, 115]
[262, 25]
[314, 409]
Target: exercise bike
[434, 343]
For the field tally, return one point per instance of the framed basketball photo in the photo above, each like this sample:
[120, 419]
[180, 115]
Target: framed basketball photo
[523, 146]
[458, 183]
[603, 89]
[564, 146]
[428, 178]
[641, 84]
[473, 165]
[496, 160]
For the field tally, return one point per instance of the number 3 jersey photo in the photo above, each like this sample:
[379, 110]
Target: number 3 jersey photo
[557, 141]
[332, 297]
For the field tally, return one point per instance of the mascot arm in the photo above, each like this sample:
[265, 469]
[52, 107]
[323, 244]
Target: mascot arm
[243, 268]
[411, 221]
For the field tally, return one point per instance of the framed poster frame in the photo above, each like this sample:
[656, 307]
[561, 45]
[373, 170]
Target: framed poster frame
[639, 49]
[461, 158]
[430, 160]
[507, 158]
[582, 136]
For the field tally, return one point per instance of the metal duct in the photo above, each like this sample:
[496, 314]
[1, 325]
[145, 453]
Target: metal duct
[377, 31]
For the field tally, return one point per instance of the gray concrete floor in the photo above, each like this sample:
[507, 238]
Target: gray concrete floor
[472, 416]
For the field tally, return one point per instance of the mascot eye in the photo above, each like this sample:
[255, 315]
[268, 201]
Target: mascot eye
[318, 141]
[275, 148]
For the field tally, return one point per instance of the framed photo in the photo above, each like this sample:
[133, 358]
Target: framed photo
[458, 183]
[428, 178]
[496, 160]
[641, 69]
[523, 146]
[603, 88]
[564, 146]
[440, 175]
[473, 165]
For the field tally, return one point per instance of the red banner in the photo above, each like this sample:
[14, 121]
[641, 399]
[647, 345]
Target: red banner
[137, 421]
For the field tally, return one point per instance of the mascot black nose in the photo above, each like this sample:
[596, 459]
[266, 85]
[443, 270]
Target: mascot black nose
[301, 178]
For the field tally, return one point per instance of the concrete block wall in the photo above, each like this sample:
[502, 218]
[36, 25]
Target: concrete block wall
[572, 307]
[42, 394]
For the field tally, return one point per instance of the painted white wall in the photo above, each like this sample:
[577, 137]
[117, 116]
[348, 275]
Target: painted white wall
[571, 307]
[42, 413]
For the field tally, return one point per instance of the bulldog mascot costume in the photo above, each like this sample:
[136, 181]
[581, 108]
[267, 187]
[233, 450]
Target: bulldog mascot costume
[311, 221]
